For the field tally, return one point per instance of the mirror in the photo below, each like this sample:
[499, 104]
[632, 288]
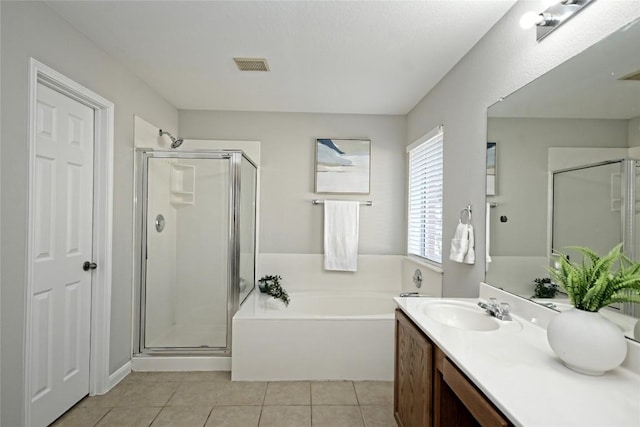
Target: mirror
[565, 134]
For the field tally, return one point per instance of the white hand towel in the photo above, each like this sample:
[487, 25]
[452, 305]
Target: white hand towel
[470, 256]
[487, 251]
[459, 243]
[341, 224]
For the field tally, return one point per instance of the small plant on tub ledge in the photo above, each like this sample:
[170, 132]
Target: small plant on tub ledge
[585, 340]
[270, 285]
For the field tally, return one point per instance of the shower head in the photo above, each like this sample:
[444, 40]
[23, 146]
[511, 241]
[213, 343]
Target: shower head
[175, 142]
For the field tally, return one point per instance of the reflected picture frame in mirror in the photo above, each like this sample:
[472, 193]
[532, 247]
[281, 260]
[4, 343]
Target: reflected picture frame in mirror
[492, 171]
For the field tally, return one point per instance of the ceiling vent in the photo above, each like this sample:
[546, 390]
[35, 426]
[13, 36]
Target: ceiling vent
[251, 64]
[633, 76]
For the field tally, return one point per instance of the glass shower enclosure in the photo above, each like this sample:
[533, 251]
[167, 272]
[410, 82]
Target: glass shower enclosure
[597, 206]
[197, 221]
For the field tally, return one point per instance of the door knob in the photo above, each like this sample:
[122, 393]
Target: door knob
[89, 266]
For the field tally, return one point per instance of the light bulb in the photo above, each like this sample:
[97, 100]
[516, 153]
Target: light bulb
[530, 19]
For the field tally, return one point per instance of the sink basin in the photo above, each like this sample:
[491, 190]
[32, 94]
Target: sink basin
[460, 315]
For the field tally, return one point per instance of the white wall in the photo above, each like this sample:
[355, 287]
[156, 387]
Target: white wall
[289, 223]
[32, 29]
[503, 61]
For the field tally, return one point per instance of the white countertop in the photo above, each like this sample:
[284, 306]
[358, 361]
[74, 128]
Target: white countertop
[520, 374]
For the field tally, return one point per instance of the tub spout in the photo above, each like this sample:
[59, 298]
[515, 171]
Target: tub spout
[413, 294]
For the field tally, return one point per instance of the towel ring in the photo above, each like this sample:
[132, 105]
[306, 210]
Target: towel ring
[468, 212]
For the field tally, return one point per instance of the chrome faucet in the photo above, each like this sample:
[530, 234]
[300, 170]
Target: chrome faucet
[413, 294]
[499, 310]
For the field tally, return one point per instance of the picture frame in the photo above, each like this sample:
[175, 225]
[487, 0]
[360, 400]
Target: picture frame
[492, 171]
[342, 165]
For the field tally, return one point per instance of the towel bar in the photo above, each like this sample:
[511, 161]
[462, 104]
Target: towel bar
[363, 202]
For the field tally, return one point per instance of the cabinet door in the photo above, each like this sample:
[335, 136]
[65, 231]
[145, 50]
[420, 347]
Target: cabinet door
[458, 402]
[412, 400]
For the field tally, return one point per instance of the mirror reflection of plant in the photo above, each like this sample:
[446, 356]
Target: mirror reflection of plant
[272, 286]
[593, 284]
[544, 288]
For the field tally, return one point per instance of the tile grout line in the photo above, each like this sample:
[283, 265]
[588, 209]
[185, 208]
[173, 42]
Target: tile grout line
[164, 406]
[264, 396]
[353, 384]
[355, 392]
[101, 418]
[310, 406]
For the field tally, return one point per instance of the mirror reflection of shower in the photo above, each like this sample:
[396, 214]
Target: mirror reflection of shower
[175, 142]
[597, 206]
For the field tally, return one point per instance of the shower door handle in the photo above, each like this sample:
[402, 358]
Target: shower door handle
[89, 266]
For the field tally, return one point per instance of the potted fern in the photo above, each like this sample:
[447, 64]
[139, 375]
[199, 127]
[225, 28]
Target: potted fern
[585, 340]
[270, 285]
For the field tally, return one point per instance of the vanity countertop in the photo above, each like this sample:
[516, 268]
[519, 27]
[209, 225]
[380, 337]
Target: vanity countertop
[517, 370]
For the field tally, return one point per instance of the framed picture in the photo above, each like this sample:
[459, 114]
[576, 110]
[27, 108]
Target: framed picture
[343, 165]
[491, 169]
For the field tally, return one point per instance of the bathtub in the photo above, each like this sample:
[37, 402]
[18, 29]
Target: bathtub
[332, 335]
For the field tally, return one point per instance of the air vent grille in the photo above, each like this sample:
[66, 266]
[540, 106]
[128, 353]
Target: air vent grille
[633, 76]
[251, 64]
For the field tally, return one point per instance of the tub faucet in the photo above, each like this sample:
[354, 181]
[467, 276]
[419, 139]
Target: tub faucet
[413, 294]
[499, 310]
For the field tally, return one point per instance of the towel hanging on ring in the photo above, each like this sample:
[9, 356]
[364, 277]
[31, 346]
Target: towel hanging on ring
[463, 241]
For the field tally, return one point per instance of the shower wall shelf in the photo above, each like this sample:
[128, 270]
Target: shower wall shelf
[183, 184]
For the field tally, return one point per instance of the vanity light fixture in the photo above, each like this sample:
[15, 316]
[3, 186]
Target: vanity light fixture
[557, 13]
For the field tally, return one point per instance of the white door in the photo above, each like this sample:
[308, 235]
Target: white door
[62, 214]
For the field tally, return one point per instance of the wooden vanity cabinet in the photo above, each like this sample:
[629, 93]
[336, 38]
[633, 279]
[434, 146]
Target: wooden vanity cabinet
[429, 390]
[413, 378]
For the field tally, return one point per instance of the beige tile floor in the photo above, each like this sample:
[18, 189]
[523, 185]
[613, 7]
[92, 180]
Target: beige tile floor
[208, 399]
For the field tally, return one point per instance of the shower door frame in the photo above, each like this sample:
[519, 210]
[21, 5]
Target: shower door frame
[234, 157]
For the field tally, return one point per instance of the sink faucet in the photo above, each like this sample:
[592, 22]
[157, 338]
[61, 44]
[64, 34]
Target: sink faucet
[499, 310]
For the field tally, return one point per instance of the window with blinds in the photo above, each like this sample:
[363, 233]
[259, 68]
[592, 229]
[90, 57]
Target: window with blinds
[424, 234]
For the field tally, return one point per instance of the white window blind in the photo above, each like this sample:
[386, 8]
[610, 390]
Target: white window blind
[424, 234]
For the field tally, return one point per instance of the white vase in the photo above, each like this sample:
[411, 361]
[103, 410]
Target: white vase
[586, 342]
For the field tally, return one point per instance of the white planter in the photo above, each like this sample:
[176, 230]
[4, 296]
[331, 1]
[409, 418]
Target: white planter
[586, 342]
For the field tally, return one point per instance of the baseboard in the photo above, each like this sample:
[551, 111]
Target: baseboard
[119, 375]
[178, 363]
